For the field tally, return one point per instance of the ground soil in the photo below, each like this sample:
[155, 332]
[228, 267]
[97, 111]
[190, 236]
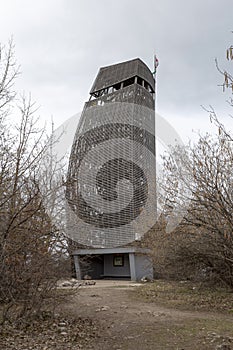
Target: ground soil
[127, 322]
[123, 315]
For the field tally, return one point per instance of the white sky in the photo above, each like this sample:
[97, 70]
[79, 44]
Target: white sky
[61, 44]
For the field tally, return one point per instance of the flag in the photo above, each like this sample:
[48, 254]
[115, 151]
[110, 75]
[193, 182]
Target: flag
[156, 63]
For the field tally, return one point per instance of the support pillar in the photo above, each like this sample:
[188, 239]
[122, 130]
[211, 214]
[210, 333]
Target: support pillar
[77, 267]
[132, 266]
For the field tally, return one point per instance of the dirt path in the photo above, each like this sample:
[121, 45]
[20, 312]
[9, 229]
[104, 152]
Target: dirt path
[127, 323]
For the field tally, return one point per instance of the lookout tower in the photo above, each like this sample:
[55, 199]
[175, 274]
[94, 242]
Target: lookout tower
[111, 182]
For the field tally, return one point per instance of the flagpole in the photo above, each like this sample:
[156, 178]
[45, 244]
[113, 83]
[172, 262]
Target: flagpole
[156, 63]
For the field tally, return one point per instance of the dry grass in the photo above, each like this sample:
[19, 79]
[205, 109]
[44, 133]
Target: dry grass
[185, 295]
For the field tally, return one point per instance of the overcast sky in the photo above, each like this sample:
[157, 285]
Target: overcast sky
[60, 45]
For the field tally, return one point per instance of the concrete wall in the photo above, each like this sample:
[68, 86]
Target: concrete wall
[114, 271]
[143, 266]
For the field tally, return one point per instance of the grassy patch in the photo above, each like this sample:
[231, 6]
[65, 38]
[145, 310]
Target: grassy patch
[195, 334]
[186, 296]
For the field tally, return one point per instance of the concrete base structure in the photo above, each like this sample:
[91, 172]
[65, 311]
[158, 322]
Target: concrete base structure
[123, 263]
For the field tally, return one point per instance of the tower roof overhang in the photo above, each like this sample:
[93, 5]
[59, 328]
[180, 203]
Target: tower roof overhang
[116, 73]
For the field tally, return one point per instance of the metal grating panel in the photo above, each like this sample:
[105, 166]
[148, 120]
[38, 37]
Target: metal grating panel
[111, 182]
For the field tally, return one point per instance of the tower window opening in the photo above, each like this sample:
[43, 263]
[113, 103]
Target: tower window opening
[146, 86]
[116, 87]
[128, 82]
[139, 81]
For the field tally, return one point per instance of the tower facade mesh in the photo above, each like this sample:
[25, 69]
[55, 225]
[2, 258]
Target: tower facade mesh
[111, 182]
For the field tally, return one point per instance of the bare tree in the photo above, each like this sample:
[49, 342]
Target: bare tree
[203, 243]
[8, 73]
[207, 222]
[29, 255]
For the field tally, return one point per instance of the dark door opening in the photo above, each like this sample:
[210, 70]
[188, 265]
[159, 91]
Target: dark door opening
[92, 265]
